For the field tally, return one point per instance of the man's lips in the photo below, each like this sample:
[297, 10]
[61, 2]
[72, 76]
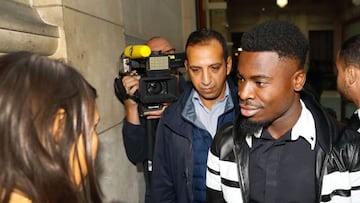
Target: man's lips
[206, 90]
[248, 111]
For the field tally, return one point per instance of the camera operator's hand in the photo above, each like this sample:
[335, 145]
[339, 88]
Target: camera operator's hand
[157, 113]
[131, 85]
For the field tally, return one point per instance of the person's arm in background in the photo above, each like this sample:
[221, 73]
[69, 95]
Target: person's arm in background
[131, 85]
[134, 131]
[134, 126]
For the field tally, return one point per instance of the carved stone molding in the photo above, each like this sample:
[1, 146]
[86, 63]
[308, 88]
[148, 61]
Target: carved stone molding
[21, 28]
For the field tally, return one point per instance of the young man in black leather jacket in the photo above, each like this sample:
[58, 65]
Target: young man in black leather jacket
[284, 147]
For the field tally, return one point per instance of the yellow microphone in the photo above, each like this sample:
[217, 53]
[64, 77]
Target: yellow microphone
[137, 51]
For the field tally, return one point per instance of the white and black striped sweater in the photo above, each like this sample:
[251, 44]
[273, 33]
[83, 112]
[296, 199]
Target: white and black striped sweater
[337, 168]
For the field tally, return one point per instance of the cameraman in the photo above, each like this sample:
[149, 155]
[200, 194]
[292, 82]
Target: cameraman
[134, 131]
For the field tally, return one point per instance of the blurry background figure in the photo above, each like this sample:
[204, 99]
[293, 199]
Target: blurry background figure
[47, 131]
[348, 78]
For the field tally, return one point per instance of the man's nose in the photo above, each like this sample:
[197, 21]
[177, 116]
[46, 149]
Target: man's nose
[245, 91]
[206, 77]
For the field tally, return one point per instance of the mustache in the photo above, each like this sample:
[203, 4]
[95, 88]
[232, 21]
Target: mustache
[249, 103]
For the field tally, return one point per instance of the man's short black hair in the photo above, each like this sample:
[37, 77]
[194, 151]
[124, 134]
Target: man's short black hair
[279, 36]
[203, 36]
[350, 50]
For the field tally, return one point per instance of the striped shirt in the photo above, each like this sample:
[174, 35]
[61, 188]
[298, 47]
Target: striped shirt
[222, 178]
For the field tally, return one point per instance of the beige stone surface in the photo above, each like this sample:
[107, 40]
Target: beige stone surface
[145, 19]
[93, 46]
[19, 41]
[45, 2]
[188, 17]
[26, 2]
[21, 28]
[119, 179]
[53, 14]
[108, 10]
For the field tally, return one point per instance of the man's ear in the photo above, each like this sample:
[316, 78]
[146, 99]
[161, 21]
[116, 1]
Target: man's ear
[228, 65]
[186, 64]
[351, 74]
[299, 79]
[59, 123]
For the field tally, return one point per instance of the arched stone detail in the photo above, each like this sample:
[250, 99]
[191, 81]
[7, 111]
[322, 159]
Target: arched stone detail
[21, 28]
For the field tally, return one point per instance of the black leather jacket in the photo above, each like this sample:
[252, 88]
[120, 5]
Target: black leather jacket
[338, 151]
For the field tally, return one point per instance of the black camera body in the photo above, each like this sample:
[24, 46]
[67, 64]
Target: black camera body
[158, 89]
[157, 84]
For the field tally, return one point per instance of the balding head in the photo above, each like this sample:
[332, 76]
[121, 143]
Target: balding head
[160, 44]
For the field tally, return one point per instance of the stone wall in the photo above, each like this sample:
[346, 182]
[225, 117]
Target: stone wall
[90, 35]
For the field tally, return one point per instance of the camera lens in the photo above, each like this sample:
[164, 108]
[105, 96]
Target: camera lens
[156, 87]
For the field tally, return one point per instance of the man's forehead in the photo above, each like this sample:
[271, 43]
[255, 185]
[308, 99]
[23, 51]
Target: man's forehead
[158, 42]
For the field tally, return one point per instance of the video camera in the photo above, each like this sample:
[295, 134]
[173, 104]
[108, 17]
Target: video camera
[157, 85]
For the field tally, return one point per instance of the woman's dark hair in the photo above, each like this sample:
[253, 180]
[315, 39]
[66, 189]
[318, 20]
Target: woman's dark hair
[282, 37]
[34, 159]
[204, 36]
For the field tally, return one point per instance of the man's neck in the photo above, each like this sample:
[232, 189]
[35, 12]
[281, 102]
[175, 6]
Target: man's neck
[283, 124]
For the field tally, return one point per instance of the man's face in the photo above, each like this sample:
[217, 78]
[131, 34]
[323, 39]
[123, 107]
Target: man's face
[341, 78]
[207, 69]
[267, 86]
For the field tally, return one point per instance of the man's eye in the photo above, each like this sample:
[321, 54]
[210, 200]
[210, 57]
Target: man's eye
[260, 83]
[215, 68]
[239, 78]
[195, 69]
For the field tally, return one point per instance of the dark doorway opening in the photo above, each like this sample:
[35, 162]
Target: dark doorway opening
[321, 74]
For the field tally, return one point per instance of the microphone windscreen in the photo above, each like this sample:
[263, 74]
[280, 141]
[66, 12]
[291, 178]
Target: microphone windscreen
[137, 51]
